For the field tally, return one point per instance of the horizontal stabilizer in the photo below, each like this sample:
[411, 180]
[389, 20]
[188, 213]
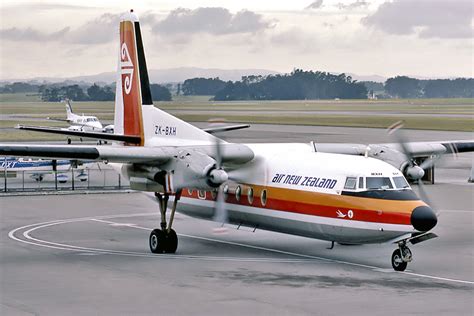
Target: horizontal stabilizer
[96, 135]
[213, 130]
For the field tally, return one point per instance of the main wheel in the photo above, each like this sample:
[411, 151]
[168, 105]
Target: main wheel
[157, 241]
[171, 242]
[397, 262]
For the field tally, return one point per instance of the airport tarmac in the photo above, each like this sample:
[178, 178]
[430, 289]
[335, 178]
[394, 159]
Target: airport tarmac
[88, 254]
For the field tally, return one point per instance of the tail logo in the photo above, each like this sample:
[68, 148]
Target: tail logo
[126, 67]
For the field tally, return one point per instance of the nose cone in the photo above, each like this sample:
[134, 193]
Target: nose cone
[423, 218]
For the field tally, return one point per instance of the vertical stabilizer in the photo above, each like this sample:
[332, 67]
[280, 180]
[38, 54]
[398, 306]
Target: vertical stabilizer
[135, 114]
[133, 88]
[69, 113]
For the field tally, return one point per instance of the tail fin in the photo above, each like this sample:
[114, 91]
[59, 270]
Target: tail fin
[69, 113]
[135, 114]
[133, 87]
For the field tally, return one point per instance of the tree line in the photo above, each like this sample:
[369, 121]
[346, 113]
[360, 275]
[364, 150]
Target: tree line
[298, 85]
[406, 87]
[322, 85]
[76, 92]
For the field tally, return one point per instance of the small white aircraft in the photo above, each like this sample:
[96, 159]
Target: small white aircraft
[83, 123]
[289, 188]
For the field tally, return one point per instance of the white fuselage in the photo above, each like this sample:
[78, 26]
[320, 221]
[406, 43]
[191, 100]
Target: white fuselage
[84, 123]
[289, 188]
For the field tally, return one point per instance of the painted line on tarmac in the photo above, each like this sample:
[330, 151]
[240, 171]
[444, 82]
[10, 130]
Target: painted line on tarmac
[48, 244]
[43, 243]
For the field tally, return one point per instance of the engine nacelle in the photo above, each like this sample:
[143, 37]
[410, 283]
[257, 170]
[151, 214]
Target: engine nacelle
[193, 169]
[189, 169]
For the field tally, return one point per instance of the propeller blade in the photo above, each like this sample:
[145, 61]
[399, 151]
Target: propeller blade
[428, 163]
[218, 150]
[220, 212]
[424, 196]
[422, 192]
[396, 131]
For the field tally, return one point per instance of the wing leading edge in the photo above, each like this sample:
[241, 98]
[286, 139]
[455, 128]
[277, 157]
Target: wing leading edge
[231, 153]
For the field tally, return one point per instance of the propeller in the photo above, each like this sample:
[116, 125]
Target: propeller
[413, 171]
[219, 176]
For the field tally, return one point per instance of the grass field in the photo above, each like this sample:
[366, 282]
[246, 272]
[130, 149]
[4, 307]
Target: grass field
[25, 109]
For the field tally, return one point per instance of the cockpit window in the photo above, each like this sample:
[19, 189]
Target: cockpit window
[361, 182]
[350, 183]
[400, 183]
[378, 183]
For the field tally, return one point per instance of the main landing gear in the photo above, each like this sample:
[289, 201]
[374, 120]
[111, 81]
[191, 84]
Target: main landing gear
[164, 239]
[401, 257]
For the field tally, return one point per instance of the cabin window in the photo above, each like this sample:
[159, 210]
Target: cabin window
[400, 182]
[379, 183]
[361, 182]
[202, 194]
[263, 197]
[250, 195]
[351, 183]
[225, 190]
[238, 193]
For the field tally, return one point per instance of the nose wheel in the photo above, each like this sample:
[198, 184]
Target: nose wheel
[165, 239]
[401, 257]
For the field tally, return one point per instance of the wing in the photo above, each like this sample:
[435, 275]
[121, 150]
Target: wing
[416, 149]
[213, 130]
[231, 153]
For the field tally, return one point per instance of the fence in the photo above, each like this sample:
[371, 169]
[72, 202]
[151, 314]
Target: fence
[72, 179]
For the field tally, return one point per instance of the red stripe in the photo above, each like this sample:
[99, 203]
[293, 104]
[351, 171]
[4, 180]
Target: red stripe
[364, 215]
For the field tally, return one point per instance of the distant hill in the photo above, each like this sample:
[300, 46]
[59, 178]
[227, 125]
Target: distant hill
[160, 75]
[174, 75]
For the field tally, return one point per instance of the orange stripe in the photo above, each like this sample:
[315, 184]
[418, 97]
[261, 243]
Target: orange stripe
[326, 205]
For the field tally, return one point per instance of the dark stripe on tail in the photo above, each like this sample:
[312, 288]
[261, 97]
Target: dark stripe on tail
[144, 81]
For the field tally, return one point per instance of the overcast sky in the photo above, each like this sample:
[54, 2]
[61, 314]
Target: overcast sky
[412, 37]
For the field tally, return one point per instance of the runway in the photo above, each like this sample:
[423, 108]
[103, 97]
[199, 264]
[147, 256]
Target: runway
[88, 254]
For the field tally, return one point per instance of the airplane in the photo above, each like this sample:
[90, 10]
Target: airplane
[283, 187]
[82, 122]
[38, 169]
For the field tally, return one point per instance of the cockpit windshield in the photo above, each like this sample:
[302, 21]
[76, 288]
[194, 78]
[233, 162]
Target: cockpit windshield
[378, 183]
[400, 183]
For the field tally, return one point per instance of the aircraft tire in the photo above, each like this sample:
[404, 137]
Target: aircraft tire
[397, 263]
[157, 241]
[171, 242]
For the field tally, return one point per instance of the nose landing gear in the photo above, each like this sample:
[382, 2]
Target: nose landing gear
[401, 257]
[164, 239]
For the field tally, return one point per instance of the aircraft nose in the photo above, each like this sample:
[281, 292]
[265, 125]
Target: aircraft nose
[423, 218]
